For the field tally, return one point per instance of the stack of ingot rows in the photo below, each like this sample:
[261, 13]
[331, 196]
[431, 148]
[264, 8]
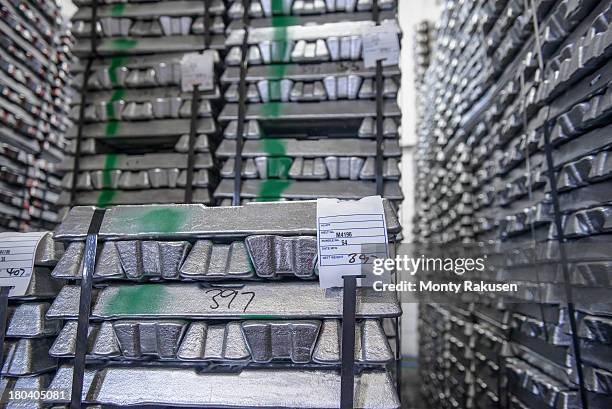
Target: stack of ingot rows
[486, 177]
[310, 121]
[27, 367]
[220, 306]
[137, 117]
[34, 96]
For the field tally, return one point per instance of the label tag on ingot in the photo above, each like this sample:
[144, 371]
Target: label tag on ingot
[351, 234]
[17, 255]
[381, 43]
[198, 69]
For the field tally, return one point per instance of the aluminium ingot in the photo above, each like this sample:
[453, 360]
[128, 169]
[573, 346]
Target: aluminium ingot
[283, 300]
[287, 388]
[261, 341]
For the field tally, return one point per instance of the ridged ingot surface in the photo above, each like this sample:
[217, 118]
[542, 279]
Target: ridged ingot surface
[124, 386]
[183, 221]
[281, 300]
[260, 341]
[27, 320]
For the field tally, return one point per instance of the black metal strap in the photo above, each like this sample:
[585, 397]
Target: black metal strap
[4, 296]
[89, 263]
[398, 339]
[379, 163]
[242, 90]
[81, 122]
[347, 372]
[206, 24]
[193, 128]
[195, 110]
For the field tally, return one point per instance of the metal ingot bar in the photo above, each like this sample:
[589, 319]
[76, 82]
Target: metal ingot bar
[179, 387]
[299, 300]
[196, 221]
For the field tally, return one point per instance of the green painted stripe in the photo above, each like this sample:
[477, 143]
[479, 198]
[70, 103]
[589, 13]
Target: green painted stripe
[147, 299]
[162, 220]
[117, 10]
[112, 127]
[273, 147]
[123, 43]
[105, 198]
[110, 108]
[116, 62]
[277, 7]
[279, 167]
[285, 21]
[272, 190]
[278, 162]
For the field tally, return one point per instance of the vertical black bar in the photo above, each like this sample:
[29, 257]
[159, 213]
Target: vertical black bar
[380, 184]
[4, 293]
[89, 262]
[206, 24]
[347, 382]
[398, 338]
[195, 108]
[378, 164]
[86, 75]
[242, 89]
[193, 129]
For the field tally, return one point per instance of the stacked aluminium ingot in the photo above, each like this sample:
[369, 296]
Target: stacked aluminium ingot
[310, 121]
[137, 120]
[27, 366]
[33, 109]
[215, 307]
[484, 179]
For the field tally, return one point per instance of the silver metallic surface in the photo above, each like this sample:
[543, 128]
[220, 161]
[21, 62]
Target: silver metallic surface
[277, 256]
[27, 320]
[136, 197]
[154, 178]
[36, 384]
[309, 190]
[278, 301]
[208, 261]
[329, 167]
[261, 341]
[197, 221]
[147, 129]
[145, 45]
[301, 72]
[308, 32]
[311, 148]
[322, 110]
[48, 251]
[137, 260]
[179, 387]
[27, 356]
[42, 286]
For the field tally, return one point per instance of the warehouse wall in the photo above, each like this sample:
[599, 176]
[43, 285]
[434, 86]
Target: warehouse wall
[410, 13]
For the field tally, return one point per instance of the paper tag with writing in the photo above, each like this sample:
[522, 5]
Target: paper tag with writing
[17, 254]
[198, 69]
[381, 43]
[350, 235]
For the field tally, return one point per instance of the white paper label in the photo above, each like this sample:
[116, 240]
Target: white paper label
[381, 43]
[350, 235]
[17, 254]
[198, 69]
